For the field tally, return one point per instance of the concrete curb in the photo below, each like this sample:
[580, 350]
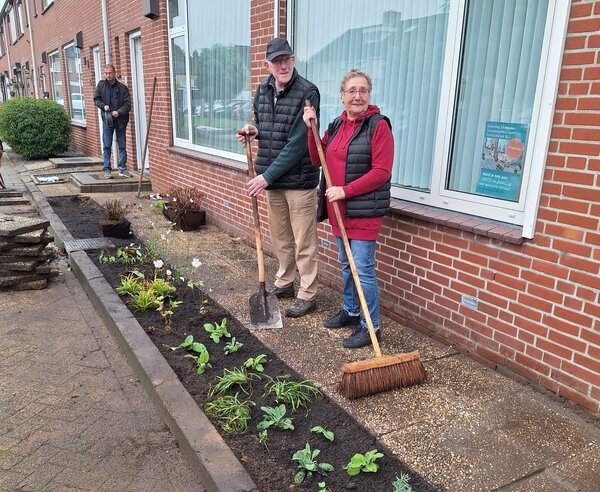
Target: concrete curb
[202, 445]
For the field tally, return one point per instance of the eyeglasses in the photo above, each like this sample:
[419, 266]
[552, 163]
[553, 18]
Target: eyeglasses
[353, 92]
[281, 61]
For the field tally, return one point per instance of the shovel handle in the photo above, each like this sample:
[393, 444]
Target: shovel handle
[259, 243]
[338, 216]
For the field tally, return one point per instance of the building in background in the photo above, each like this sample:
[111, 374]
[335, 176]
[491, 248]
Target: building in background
[493, 243]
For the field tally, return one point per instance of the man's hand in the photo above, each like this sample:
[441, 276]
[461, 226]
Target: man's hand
[335, 193]
[256, 185]
[106, 107]
[115, 114]
[249, 130]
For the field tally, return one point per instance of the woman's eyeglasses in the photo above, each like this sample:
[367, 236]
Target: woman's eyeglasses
[353, 92]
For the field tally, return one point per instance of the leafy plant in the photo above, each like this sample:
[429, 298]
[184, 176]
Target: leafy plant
[263, 438]
[201, 359]
[401, 484]
[275, 416]
[129, 255]
[256, 363]
[217, 331]
[130, 284]
[294, 393]
[115, 210]
[363, 463]
[308, 464]
[162, 287]
[232, 346]
[323, 487]
[167, 311]
[317, 429]
[146, 299]
[187, 342]
[230, 413]
[231, 377]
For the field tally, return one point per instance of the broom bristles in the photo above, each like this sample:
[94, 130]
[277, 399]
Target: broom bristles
[381, 374]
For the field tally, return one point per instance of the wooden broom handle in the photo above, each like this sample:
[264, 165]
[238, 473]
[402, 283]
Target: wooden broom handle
[338, 216]
[259, 244]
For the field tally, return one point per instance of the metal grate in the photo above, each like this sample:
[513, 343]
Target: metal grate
[83, 244]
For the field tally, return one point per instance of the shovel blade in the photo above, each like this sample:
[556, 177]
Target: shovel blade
[264, 310]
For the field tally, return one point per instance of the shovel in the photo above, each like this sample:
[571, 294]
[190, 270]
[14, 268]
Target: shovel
[264, 306]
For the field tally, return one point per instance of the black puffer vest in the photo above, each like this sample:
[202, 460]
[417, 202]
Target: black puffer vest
[274, 125]
[358, 162]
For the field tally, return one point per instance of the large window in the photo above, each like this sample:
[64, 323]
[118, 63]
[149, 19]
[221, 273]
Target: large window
[74, 82]
[468, 85]
[210, 74]
[56, 78]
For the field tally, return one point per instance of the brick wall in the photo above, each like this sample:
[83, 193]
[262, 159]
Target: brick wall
[538, 311]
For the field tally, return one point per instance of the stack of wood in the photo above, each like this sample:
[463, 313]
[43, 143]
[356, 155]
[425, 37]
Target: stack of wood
[24, 253]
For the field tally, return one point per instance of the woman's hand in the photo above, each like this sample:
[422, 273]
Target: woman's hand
[335, 193]
[309, 114]
[249, 130]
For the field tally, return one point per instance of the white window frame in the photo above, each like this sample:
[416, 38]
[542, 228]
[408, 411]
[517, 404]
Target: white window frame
[46, 3]
[180, 142]
[524, 212]
[51, 73]
[13, 25]
[68, 84]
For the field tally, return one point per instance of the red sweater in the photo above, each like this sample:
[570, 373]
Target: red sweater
[382, 158]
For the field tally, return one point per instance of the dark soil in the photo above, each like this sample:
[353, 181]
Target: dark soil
[271, 467]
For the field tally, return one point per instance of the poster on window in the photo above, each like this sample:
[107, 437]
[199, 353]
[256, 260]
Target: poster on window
[502, 160]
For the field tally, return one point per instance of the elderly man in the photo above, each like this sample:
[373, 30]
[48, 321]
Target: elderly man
[284, 169]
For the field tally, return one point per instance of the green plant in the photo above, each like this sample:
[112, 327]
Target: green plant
[308, 464]
[231, 377]
[317, 429]
[201, 359]
[275, 416]
[323, 487]
[230, 413]
[130, 284]
[232, 346]
[146, 299]
[217, 331]
[363, 463]
[187, 342]
[294, 393]
[263, 438]
[401, 484]
[130, 255]
[35, 128]
[162, 287]
[115, 210]
[256, 363]
[167, 311]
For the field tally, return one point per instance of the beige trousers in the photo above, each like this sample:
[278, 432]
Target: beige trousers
[293, 225]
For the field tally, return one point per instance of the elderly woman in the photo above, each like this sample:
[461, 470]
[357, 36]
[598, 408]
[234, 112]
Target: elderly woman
[359, 149]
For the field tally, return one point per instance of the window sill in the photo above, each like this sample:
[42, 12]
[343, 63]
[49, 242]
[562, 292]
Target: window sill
[46, 8]
[209, 158]
[494, 229]
[79, 123]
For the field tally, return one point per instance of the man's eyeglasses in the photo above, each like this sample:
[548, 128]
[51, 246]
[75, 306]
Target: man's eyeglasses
[281, 61]
[353, 92]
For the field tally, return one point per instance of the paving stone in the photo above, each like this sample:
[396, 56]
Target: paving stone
[21, 225]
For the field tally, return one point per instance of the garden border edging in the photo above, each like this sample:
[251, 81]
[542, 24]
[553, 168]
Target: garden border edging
[200, 442]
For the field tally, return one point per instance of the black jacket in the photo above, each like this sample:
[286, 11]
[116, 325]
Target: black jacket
[102, 98]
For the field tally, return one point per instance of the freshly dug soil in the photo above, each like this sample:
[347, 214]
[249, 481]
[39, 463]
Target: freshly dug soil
[270, 466]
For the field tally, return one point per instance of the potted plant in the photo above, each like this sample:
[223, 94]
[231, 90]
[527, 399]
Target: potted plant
[183, 208]
[115, 224]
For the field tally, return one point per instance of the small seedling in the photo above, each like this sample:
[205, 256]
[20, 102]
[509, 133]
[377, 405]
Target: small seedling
[308, 465]
[263, 438]
[231, 377]
[187, 343]
[256, 363]
[325, 433]
[130, 284]
[275, 416]
[201, 360]
[146, 299]
[230, 413]
[294, 393]
[401, 484]
[130, 255]
[323, 487]
[363, 463]
[217, 331]
[232, 346]
[162, 287]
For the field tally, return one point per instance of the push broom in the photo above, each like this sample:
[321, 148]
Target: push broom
[382, 373]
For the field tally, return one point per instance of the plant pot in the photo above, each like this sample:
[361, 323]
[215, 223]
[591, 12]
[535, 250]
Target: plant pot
[186, 220]
[120, 230]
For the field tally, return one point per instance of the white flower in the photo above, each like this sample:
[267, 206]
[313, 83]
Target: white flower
[168, 272]
[182, 279]
[196, 263]
[158, 263]
[209, 290]
[163, 237]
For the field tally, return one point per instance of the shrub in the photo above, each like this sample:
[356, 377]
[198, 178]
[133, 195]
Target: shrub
[115, 210]
[181, 199]
[35, 128]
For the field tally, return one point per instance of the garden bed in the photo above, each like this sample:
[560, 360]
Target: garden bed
[270, 464]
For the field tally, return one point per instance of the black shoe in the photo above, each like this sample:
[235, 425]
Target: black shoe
[282, 292]
[360, 338]
[341, 319]
[300, 308]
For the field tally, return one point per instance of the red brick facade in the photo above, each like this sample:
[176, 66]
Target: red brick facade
[538, 312]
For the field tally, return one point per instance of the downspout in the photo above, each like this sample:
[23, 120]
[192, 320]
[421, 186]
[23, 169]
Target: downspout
[4, 29]
[105, 32]
[276, 23]
[33, 61]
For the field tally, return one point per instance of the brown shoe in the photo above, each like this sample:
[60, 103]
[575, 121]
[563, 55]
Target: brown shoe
[300, 308]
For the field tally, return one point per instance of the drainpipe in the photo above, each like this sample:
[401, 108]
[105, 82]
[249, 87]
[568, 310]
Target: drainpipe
[33, 61]
[5, 29]
[276, 23]
[105, 32]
